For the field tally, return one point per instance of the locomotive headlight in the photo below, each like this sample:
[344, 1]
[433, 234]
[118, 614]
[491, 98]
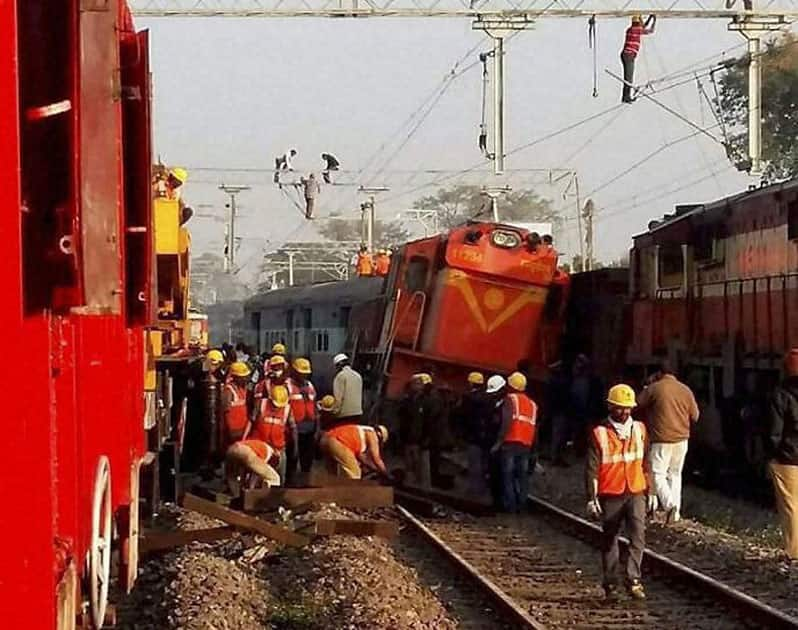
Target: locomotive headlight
[506, 240]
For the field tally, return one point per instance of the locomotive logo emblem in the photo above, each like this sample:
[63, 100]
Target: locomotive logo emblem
[495, 300]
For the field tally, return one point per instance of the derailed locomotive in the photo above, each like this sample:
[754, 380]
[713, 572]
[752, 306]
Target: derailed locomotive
[482, 296]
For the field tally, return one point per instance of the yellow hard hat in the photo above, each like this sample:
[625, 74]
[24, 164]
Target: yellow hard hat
[637, 19]
[180, 174]
[302, 365]
[278, 348]
[423, 378]
[622, 396]
[382, 432]
[279, 395]
[517, 381]
[327, 403]
[215, 356]
[239, 368]
[476, 378]
[277, 360]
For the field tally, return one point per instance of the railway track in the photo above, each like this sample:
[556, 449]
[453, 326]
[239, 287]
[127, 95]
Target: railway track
[541, 570]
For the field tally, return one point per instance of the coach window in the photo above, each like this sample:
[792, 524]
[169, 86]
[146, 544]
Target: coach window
[792, 220]
[416, 274]
[671, 266]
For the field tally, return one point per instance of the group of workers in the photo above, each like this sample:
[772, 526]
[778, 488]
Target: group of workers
[376, 264]
[310, 185]
[272, 424]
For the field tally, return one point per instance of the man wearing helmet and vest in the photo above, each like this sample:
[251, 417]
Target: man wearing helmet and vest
[514, 442]
[382, 263]
[274, 424]
[302, 396]
[364, 265]
[348, 446]
[212, 382]
[617, 484]
[234, 404]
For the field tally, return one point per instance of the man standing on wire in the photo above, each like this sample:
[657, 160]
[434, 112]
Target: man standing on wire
[283, 163]
[631, 48]
[331, 163]
[311, 189]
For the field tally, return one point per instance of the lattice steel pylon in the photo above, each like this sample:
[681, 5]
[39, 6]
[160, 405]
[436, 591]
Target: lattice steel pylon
[461, 8]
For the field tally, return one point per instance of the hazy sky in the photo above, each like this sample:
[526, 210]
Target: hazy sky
[233, 93]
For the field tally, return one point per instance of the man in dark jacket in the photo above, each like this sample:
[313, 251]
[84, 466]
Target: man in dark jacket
[415, 433]
[782, 445]
[474, 413]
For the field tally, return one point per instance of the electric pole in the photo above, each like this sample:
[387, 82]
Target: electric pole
[230, 237]
[587, 214]
[368, 214]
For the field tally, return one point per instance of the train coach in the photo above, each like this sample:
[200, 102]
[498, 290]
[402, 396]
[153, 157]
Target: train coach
[714, 287]
[482, 296]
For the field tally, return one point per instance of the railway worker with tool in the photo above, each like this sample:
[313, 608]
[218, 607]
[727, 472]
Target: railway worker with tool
[274, 423]
[302, 396]
[347, 446]
[253, 456]
[514, 442]
[669, 409]
[234, 404]
[347, 391]
[617, 481]
[782, 447]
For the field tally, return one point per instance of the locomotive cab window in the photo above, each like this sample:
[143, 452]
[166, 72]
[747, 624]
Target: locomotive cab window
[416, 274]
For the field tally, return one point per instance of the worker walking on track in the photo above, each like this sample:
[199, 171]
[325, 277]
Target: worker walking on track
[617, 484]
[252, 456]
[782, 446]
[514, 442]
[347, 391]
[348, 446]
[669, 409]
[234, 404]
[274, 424]
[302, 395]
[631, 48]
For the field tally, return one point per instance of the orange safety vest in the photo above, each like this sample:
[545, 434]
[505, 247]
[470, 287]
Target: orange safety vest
[302, 399]
[271, 423]
[522, 426]
[352, 436]
[235, 414]
[260, 448]
[621, 461]
[383, 264]
[364, 265]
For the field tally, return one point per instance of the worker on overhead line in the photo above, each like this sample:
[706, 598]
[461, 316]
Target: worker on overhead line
[311, 189]
[302, 395]
[514, 442]
[617, 482]
[349, 446]
[283, 163]
[631, 48]
[364, 265]
[274, 424]
[331, 163]
[382, 263]
[253, 456]
[234, 404]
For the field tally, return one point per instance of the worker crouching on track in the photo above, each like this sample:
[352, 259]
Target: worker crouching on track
[303, 408]
[617, 482]
[234, 404]
[250, 456]
[514, 442]
[348, 446]
[274, 424]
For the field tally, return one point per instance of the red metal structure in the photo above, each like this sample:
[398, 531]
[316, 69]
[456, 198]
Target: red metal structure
[714, 287]
[479, 297]
[75, 195]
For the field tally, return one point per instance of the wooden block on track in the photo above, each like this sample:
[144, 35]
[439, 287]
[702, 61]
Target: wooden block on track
[345, 496]
[244, 521]
[332, 527]
[164, 541]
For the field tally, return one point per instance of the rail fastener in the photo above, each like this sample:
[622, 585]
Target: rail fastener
[519, 617]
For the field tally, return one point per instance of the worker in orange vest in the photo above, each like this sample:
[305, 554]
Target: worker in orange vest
[274, 424]
[250, 456]
[514, 442]
[348, 446]
[234, 404]
[302, 398]
[382, 263]
[617, 486]
[364, 266]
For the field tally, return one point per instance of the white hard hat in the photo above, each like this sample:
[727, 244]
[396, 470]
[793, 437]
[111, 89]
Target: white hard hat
[340, 358]
[495, 383]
